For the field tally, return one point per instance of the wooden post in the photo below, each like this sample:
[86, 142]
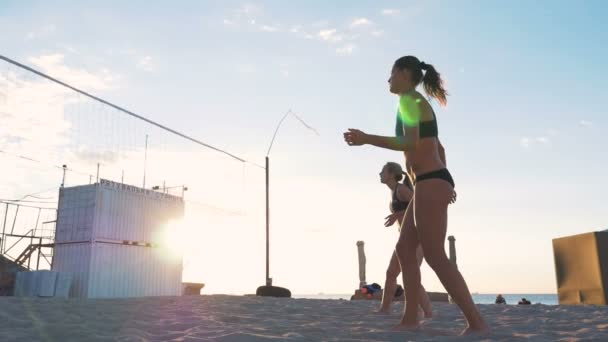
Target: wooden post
[452, 241]
[361, 253]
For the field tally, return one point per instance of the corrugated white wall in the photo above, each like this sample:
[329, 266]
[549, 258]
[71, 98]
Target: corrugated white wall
[132, 216]
[119, 271]
[113, 212]
[75, 214]
[75, 259]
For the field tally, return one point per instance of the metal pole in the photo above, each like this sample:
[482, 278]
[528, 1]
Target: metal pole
[39, 250]
[15, 220]
[268, 280]
[29, 259]
[3, 229]
[145, 161]
[65, 167]
[97, 173]
[37, 220]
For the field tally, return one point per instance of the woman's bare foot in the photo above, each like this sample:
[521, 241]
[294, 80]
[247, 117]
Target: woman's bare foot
[383, 311]
[482, 330]
[406, 327]
[424, 315]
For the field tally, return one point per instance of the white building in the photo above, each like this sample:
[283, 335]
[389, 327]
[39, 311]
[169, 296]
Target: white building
[110, 238]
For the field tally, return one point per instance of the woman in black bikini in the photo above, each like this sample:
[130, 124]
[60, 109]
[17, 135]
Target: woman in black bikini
[425, 221]
[402, 194]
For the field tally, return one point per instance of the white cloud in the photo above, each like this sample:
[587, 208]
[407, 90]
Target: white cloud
[244, 15]
[543, 140]
[267, 28]
[390, 12]
[41, 32]
[285, 73]
[320, 23]
[245, 68]
[527, 142]
[248, 17]
[360, 22]
[345, 50]
[249, 10]
[33, 122]
[71, 49]
[146, 63]
[330, 35]
[53, 65]
[33, 109]
[121, 51]
[585, 123]
[47, 122]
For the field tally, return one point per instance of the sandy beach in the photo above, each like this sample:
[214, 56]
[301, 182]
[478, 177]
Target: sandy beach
[247, 318]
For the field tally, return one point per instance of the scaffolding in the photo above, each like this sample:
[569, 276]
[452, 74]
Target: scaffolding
[28, 234]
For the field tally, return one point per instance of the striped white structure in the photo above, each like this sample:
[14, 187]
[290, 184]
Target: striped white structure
[110, 237]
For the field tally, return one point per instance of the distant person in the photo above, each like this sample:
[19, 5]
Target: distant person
[500, 300]
[524, 301]
[401, 195]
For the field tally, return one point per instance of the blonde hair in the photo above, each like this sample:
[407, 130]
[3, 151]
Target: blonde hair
[397, 170]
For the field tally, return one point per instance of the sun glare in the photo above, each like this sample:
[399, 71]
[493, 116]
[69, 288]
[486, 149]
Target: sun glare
[174, 237]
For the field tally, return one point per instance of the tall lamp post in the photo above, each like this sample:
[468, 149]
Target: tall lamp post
[269, 290]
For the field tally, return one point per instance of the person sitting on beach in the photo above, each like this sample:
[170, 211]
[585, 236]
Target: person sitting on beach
[417, 137]
[524, 301]
[401, 195]
[500, 300]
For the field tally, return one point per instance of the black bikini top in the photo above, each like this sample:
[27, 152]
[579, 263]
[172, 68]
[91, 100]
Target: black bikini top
[426, 129]
[396, 203]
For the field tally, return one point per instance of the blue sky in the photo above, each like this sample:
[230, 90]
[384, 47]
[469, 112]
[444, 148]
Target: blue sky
[523, 127]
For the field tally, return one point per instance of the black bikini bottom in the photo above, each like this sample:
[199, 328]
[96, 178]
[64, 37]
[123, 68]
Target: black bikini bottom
[441, 174]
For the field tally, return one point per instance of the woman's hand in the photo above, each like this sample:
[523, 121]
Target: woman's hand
[454, 197]
[390, 219]
[355, 137]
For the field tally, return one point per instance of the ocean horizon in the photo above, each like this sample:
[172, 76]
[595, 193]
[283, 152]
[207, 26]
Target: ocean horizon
[478, 298]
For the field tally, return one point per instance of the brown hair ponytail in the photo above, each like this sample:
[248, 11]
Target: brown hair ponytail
[431, 79]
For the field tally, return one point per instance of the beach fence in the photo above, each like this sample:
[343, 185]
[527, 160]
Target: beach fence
[56, 134]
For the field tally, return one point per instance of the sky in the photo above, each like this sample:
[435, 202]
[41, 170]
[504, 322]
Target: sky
[522, 128]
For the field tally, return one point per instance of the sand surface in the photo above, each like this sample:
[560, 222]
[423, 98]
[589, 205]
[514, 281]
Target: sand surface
[235, 318]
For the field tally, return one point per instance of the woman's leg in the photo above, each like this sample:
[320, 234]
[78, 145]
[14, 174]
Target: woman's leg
[390, 286]
[431, 201]
[425, 301]
[406, 254]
